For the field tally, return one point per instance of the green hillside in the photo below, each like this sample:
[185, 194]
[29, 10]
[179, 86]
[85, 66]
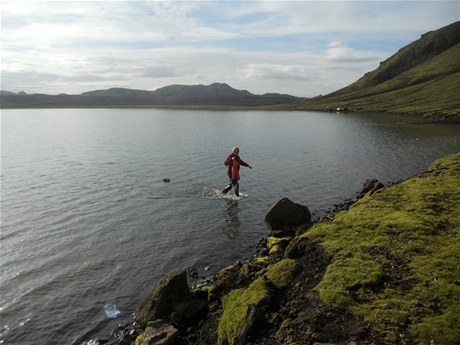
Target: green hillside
[421, 78]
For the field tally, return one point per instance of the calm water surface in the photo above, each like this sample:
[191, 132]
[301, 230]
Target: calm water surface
[86, 219]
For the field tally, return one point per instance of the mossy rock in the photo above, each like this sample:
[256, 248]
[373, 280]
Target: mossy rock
[228, 278]
[243, 308]
[240, 308]
[276, 245]
[282, 273]
[260, 262]
[157, 332]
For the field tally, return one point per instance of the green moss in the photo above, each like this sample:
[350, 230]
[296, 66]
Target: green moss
[281, 273]
[139, 339]
[283, 329]
[277, 245]
[229, 270]
[274, 241]
[258, 266]
[443, 329]
[396, 254]
[347, 275]
[237, 303]
[446, 162]
[261, 261]
[276, 249]
[205, 289]
[236, 307]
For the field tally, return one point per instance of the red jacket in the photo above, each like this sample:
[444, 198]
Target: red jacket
[228, 162]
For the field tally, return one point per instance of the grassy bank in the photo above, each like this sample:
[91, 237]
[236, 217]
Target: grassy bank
[394, 271]
[396, 257]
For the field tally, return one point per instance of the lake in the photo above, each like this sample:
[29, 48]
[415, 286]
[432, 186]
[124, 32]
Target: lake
[86, 219]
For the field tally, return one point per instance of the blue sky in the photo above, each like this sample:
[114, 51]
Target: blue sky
[303, 48]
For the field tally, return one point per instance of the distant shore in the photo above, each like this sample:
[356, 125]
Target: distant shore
[426, 118]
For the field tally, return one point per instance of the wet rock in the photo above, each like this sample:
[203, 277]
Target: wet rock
[122, 335]
[193, 272]
[170, 300]
[228, 278]
[159, 333]
[278, 233]
[287, 215]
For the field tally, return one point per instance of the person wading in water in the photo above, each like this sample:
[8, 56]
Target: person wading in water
[233, 162]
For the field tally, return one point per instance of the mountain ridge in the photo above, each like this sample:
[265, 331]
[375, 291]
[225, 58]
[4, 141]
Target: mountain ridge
[429, 45]
[216, 94]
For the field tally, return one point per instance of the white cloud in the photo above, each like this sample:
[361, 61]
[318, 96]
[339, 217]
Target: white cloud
[295, 47]
[341, 54]
[266, 71]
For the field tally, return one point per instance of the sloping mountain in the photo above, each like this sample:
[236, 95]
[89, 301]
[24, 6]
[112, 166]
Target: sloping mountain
[421, 78]
[217, 94]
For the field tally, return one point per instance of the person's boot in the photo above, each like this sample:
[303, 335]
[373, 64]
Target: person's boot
[237, 189]
[226, 189]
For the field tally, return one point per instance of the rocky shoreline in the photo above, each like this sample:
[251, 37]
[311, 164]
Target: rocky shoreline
[380, 269]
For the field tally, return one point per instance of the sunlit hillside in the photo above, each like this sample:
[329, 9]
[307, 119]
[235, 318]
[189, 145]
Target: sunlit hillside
[421, 78]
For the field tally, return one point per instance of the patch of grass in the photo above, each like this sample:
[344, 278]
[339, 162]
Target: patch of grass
[347, 275]
[281, 273]
[237, 303]
[396, 256]
[236, 307]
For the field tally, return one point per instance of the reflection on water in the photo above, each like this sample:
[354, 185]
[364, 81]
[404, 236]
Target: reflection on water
[232, 221]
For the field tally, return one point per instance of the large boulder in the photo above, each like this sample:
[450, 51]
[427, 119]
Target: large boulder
[170, 300]
[371, 186]
[287, 215]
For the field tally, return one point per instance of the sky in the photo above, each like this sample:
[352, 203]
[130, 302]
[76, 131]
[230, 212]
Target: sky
[301, 48]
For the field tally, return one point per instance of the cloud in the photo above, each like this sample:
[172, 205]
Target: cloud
[265, 71]
[335, 44]
[298, 47]
[158, 72]
[339, 53]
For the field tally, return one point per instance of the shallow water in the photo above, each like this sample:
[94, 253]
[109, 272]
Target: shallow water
[86, 219]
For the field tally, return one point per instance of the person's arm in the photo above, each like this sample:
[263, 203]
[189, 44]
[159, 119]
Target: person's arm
[243, 163]
[228, 161]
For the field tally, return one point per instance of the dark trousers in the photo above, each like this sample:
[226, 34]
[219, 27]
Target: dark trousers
[235, 184]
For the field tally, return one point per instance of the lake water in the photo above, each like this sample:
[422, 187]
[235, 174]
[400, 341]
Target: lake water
[86, 219]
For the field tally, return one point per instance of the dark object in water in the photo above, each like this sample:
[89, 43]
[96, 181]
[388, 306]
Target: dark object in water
[166, 180]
